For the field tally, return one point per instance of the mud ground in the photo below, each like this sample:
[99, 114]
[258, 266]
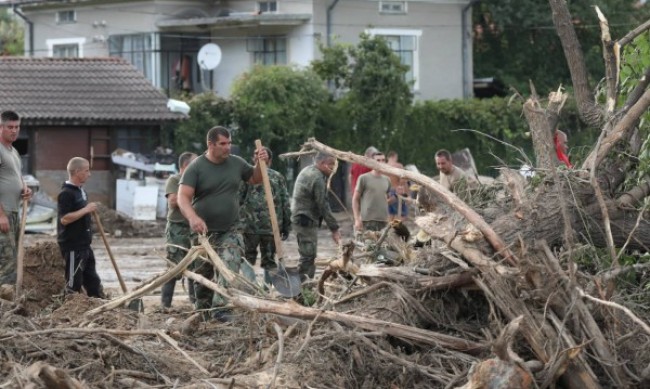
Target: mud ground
[140, 258]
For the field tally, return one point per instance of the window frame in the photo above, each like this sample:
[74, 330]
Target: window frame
[402, 11]
[417, 35]
[50, 43]
[268, 5]
[252, 47]
[59, 20]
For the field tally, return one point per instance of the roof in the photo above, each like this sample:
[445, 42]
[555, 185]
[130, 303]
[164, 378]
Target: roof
[80, 90]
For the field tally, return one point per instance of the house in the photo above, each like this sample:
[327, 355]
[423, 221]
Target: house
[81, 107]
[162, 37]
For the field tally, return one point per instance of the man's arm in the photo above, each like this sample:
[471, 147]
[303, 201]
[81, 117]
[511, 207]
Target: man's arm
[72, 217]
[356, 209]
[184, 199]
[4, 221]
[172, 200]
[256, 178]
[320, 196]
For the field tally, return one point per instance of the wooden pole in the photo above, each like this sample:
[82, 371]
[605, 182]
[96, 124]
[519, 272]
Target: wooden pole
[268, 195]
[20, 256]
[110, 253]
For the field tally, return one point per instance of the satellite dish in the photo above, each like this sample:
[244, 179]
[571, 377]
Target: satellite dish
[209, 56]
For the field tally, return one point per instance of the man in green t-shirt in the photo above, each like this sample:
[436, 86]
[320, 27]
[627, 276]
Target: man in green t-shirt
[177, 231]
[208, 197]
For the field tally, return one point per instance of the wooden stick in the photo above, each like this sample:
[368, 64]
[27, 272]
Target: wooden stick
[278, 361]
[110, 253]
[20, 257]
[268, 195]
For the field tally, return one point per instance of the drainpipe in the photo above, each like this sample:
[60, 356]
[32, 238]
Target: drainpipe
[31, 29]
[467, 90]
[330, 9]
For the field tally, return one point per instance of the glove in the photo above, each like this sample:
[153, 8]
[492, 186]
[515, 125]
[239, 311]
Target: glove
[284, 235]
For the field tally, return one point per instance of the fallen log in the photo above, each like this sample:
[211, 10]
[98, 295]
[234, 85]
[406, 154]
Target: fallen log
[292, 309]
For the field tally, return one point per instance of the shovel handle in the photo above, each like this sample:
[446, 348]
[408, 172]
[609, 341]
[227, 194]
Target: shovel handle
[110, 253]
[20, 257]
[268, 195]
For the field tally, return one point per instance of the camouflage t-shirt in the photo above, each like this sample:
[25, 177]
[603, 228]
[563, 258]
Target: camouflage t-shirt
[254, 212]
[310, 198]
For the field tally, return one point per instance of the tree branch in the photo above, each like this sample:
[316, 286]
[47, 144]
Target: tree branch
[589, 111]
[619, 131]
[629, 37]
[611, 56]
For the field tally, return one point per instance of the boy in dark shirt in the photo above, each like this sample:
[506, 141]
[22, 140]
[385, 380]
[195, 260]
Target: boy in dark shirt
[74, 233]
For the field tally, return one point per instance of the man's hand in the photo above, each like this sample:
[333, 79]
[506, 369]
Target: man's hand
[26, 193]
[198, 225]
[284, 234]
[91, 207]
[336, 236]
[261, 155]
[4, 223]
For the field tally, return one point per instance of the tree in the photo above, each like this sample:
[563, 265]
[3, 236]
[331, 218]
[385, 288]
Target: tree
[371, 91]
[510, 37]
[279, 105]
[12, 34]
[206, 111]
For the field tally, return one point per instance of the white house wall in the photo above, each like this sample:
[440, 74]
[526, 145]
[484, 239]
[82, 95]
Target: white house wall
[440, 45]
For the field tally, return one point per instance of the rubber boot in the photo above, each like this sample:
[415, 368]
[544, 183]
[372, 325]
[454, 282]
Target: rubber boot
[167, 293]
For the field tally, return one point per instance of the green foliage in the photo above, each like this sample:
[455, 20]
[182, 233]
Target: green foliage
[206, 111]
[515, 40]
[12, 34]
[635, 61]
[376, 97]
[279, 105]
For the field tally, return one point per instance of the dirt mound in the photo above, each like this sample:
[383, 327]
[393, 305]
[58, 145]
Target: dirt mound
[118, 225]
[44, 277]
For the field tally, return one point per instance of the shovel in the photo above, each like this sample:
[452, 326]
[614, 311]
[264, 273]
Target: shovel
[286, 281]
[20, 257]
[135, 304]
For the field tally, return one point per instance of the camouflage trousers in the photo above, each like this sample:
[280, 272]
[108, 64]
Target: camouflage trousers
[230, 247]
[178, 237]
[307, 243]
[8, 250]
[374, 225]
[266, 244]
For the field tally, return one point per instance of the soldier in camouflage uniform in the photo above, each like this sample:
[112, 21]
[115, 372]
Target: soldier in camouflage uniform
[208, 197]
[256, 219]
[309, 206]
[12, 188]
[177, 231]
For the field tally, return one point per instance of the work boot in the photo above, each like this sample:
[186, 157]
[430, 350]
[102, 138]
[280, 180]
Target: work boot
[167, 293]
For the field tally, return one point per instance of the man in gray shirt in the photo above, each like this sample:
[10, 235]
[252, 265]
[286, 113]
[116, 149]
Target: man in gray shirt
[12, 188]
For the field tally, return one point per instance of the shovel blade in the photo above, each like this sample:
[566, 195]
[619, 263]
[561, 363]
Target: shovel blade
[286, 281]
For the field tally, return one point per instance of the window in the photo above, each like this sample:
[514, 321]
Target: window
[136, 48]
[65, 17]
[392, 7]
[65, 51]
[404, 44]
[267, 6]
[268, 51]
[65, 47]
